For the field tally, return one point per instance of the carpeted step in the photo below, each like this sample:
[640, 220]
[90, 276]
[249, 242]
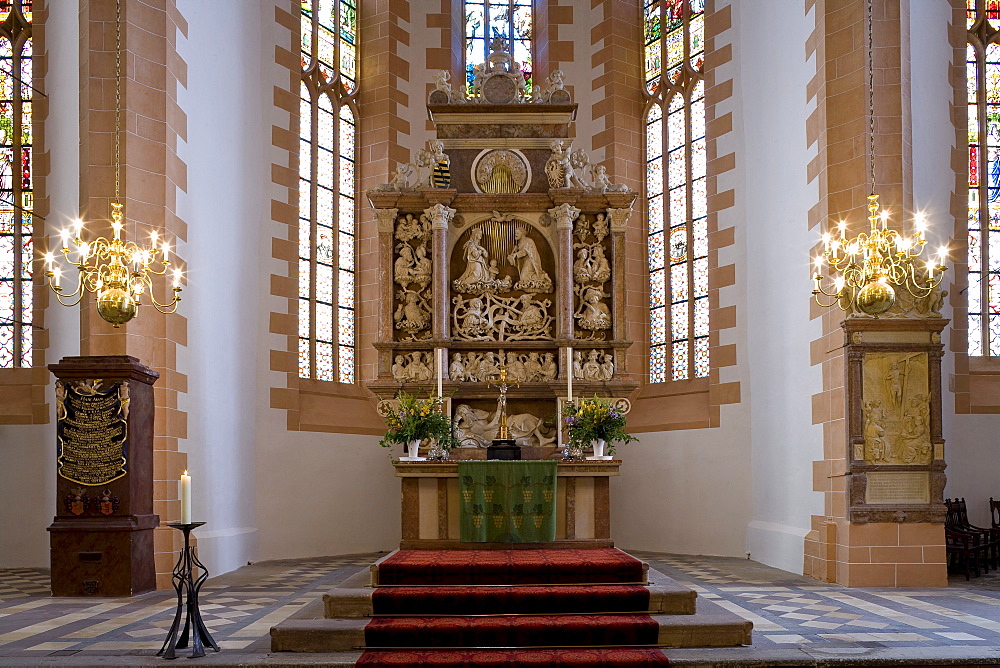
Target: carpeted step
[354, 598]
[500, 600]
[715, 628]
[516, 658]
[508, 567]
[502, 631]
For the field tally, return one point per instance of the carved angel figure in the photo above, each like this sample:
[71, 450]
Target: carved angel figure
[559, 168]
[602, 182]
[600, 227]
[408, 227]
[442, 82]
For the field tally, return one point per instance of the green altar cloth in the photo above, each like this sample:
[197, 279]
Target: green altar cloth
[507, 501]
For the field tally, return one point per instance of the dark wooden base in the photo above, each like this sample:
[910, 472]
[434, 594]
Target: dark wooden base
[452, 544]
[102, 556]
[504, 449]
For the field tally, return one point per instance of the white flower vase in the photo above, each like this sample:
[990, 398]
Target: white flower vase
[412, 448]
[599, 450]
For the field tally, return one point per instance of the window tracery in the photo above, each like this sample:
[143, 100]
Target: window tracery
[677, 210]
[16, 192]
[327, 184]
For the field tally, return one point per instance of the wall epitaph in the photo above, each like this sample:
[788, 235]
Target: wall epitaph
[92, 431]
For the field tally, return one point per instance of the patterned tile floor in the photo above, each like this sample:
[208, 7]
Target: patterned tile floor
[789, 612]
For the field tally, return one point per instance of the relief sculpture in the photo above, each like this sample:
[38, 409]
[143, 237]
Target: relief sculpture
[527, 367]
[476, 428]
[411, 271]
[591, 271]
[896, 409]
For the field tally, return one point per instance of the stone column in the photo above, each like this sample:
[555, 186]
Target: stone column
[386, 227]
[440, 216]
[564, 215]
[619, 221]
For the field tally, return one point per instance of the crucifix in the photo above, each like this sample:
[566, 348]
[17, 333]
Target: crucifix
[503, 447]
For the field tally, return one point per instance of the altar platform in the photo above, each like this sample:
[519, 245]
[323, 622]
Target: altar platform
[430, 506]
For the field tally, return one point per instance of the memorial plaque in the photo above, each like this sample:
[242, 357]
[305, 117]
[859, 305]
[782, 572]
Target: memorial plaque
[898, 487]
[92, 430]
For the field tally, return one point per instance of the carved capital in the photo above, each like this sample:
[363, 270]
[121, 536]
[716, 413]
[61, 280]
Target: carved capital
[564, 215]
[439, 215]
[619, 218]
[386, 220]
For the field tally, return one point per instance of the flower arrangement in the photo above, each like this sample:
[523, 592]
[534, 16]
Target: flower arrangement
[418, 419]
[596, 419]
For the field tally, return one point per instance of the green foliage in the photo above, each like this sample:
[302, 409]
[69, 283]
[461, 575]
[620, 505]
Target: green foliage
[415, 419]
[596, 419]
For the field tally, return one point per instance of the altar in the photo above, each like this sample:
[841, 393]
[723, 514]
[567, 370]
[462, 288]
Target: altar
[430, 505]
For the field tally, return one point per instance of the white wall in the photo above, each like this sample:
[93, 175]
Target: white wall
[313, 493]
[970, 440]
[774, 200]
[27, 453]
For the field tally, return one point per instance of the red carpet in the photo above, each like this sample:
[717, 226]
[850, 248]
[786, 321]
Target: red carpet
[466, 567]
[535, 607]
[537, 599]
[513, 658]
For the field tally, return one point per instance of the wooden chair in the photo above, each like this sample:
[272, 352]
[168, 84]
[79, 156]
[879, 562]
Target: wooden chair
[966, 549]
[990, 536]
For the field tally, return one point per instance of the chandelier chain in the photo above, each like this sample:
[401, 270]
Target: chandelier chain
[871, 93]
[118, 97]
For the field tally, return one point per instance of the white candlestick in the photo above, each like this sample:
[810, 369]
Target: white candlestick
[438, 357]
[569, 373]
[185, 498]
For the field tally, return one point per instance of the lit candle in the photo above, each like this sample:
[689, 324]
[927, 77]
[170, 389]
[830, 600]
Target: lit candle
[438, 357]
[185, 498]
[569, 373]
[166, 251]
[56, 275]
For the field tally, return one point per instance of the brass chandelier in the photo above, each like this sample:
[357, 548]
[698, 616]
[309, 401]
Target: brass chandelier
[866, 271]
[119, 272]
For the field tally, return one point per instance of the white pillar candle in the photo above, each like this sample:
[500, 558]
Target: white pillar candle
[185, 498]
[569, 373]
[438, 359]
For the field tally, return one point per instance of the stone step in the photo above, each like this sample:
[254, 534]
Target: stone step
[353, 597]
[716, 628]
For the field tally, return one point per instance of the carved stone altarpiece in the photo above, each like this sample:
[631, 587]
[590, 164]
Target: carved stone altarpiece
[522, 256]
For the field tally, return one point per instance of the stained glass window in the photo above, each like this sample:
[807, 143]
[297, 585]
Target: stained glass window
[486, 20]
[674, 56]
[16, 194]
[327, 183]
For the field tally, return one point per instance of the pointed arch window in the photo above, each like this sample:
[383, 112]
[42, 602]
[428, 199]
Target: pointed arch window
[983, 87]
[486, 20]
[16, 192]
[327, 189]
[677, 210]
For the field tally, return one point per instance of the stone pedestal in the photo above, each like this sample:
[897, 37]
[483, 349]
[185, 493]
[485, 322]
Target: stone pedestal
[102, 536]
[884, 525]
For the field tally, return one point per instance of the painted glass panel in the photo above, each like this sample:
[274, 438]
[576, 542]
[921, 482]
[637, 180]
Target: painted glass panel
[16, 186]
[327, 184]
[674, 39]
[510, 20]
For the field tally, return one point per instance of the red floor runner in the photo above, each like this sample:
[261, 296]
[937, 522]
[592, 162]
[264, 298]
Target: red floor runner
[464, 567]
[539, 599]
[528, 631]
[575, 658]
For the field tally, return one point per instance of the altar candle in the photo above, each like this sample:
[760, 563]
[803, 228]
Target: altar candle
[569, 373]
[185, 498]
[438, 357]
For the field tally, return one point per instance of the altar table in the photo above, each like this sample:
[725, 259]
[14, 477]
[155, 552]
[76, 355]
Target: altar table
[430, 506]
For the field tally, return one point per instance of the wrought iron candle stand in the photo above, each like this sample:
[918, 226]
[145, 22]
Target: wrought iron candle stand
[184, 581]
